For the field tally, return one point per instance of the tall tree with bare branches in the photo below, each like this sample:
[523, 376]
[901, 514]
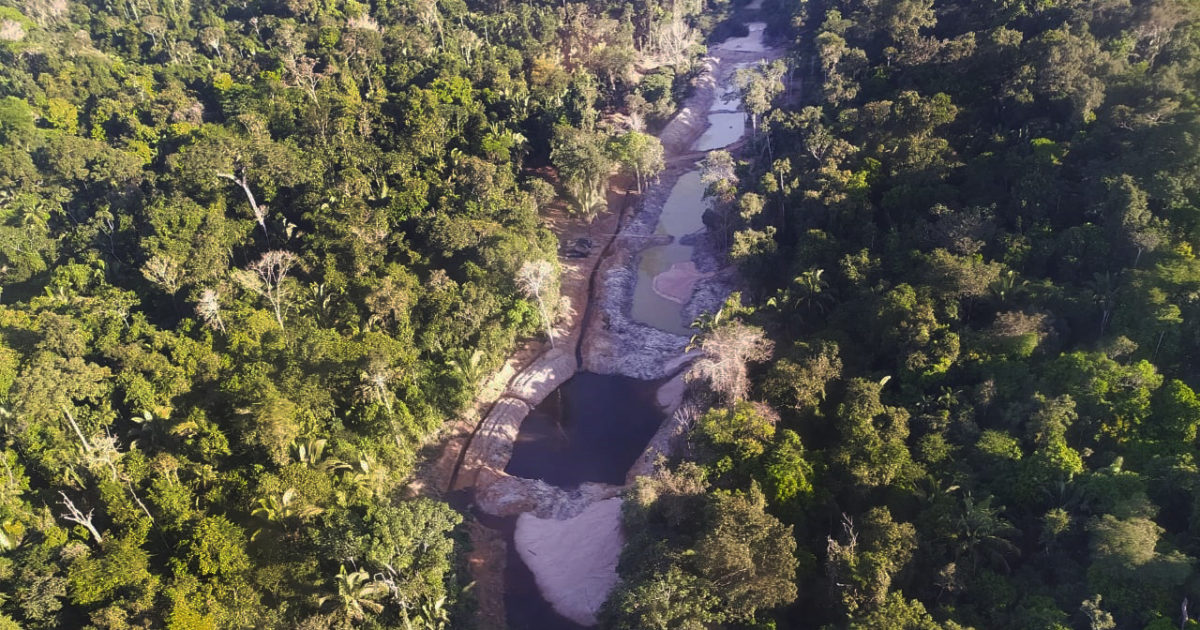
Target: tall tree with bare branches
[534, 279]
[267, 277]
[727, 351]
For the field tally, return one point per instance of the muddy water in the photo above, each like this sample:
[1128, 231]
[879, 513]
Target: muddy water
[684, 208]
[724, 128]
[751, 43]
[524, 606]
[592, 428]
[681, 215]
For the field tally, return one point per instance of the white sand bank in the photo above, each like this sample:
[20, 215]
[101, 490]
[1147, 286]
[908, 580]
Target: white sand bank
[574, 561]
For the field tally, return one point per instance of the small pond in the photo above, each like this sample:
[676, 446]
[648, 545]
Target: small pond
[752, 42]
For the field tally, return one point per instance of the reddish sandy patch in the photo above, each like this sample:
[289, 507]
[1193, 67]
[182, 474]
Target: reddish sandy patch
[676, 283]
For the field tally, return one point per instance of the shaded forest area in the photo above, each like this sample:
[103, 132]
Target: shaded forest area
[252, 255]
[970, 398]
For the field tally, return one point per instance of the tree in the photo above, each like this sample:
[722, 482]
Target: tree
[250, 161]
[664, 601]
[353, 596]
[412, 543]
[788, 474]
[871, 450]
[1126, 568]
[897, 613]
[639, 152]
[1097, 618]
[1128, 217]
[208, 308]
[747, 554]
[164, 272]
[840, 63]
[285, 511]
[981, 533]
[219, 549]
[759, 86]
[673, 37]
[718, 171]
[695, 558]
[725, 353]
[799, 381]
[866, 557]
[267, 277]
[535, 278]
[735, 437]
[811, 287]
[1069, 68]
[583, 164]
[74, 515]
[1175, 414]
[51, 386]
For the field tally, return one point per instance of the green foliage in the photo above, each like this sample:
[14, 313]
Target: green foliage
[699, 556]
[978, 264]
[250, 261]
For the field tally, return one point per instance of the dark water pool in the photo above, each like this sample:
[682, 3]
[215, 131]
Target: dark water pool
[592, 428]
[524, 606]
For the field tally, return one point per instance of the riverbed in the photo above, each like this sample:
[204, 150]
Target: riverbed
[575, 451]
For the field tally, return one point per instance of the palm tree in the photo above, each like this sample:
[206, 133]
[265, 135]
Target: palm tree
[355, 595]
[469, 366]
[930, 490]
[432, 615]
[1006, 286]
[366, 478]
[283, 511]
[811, 288]
[311, 453]
[705, 323]
[982, 533]
[320, 301]
[374, 384]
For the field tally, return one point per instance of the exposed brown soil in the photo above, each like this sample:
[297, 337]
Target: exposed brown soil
[486, 562]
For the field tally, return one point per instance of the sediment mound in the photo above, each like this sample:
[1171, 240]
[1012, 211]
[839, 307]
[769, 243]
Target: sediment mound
[501, 494]
[547, 373]
[574, 561]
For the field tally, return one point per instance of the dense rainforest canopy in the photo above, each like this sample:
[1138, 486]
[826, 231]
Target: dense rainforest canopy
[251, 255]
[979, 407]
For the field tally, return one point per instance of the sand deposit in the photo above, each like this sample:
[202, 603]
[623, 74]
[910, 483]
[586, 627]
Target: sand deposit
[547, 373]
[574, 561]
[676, 284]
